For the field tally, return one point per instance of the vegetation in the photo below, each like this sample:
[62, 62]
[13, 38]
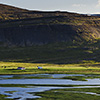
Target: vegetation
[58, 53]
[12, 13]
[56, 26]
[54, 58]
[76, 78]
[2, 97]
[31, 68]
[81, 78]
[74, 37]
[77, 53]
[73, 48]
[60, 94]
[68, 94]
[27, 85]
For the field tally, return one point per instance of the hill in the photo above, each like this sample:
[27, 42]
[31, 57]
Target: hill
[48, 37]
[96, 15]
[12, 13]
[26, 28]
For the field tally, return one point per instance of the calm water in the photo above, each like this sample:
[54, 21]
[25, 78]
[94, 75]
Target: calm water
[41, 75]
[23, 93]
[50, 81]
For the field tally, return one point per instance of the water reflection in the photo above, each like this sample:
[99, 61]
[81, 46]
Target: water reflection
[50, 81]
[23, 93]
[40, 75]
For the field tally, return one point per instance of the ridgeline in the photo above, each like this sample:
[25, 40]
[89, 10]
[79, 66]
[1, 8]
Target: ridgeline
[48, 37]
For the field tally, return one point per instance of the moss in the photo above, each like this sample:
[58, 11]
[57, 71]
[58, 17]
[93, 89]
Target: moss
[76, 78]
[2, 97]
[66, 94]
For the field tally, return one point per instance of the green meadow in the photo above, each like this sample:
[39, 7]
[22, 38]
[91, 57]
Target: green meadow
[54, 58]
[31, 68]
[69, 94]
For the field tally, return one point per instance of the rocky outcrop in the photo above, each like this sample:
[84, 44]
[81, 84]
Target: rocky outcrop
[36, 34]
[22, 27]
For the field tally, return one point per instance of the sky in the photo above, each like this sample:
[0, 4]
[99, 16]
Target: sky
[78, 6]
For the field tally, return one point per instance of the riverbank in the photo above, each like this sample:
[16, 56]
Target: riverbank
[31, 68]
[70, 94]
[46, 86]
[50, 93]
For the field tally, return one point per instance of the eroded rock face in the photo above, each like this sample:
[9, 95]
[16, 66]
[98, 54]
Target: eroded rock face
[37, 34]
[22, 27]
[43, 34]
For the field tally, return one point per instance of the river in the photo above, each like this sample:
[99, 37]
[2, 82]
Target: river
[23, 93]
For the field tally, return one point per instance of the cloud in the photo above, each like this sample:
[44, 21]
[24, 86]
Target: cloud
[78, 5]
[96, 13]
[98, 4]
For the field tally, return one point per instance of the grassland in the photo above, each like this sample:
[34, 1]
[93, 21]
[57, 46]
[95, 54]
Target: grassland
[54, 58]
[68, 94]
[60, 57]
[31, 68]
[55, 53]
[3, 97]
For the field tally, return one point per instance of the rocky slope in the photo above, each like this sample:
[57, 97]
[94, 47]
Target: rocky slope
[22, 27]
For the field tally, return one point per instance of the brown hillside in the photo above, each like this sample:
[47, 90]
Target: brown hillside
[24, 27]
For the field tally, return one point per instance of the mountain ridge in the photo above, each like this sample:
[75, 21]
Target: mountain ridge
[9, 12]
[23, 27]
[48, 37]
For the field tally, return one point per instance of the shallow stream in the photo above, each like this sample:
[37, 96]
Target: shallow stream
[23, 93]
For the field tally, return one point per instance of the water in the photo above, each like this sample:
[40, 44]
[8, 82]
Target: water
[23, 93]
[50, 81]
[3, 80]
[41, 75]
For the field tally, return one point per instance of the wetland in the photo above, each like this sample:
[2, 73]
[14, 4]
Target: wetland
[35, 86]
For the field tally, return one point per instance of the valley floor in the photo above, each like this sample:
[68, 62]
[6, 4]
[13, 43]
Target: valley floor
[31, 68]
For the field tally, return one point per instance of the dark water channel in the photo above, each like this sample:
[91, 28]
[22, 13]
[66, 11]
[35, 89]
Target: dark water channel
[23, 93]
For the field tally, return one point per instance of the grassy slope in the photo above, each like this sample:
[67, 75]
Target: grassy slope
[58, 53]
[77, 51]
[87, 27]
[54, 58]
[11, 13]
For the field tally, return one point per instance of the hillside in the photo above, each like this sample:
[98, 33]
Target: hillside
[12, 13]
[22, 27]
[49, 29]
[48, 37]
